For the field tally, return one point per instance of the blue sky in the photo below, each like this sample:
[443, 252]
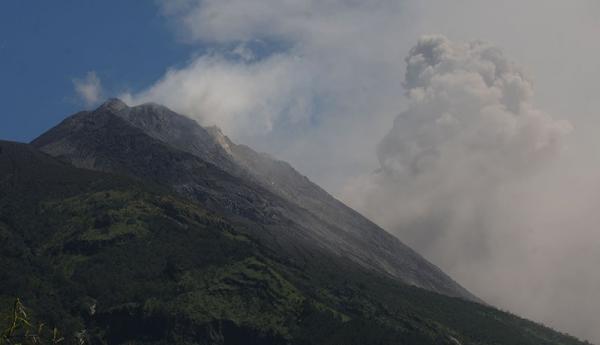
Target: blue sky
[44, 45]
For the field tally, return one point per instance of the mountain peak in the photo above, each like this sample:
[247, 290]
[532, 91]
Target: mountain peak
[113, 104]
[169, 148]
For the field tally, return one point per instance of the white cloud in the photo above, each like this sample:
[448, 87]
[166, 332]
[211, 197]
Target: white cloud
[329, 84]
[88, 89]
[244, 98]
[308, 21]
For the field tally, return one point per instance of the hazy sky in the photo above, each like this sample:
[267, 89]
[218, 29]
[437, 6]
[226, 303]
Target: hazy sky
[468, 128]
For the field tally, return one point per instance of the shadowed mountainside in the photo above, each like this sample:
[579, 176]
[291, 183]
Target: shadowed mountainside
[121, 260]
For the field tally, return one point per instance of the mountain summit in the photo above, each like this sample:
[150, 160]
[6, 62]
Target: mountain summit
[150, 141]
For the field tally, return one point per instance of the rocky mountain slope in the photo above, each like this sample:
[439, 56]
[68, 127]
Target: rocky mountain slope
[277, 204]
[115, 259]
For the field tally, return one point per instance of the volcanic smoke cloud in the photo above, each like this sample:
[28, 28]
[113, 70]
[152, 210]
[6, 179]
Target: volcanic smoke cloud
[471, 175]
[470, 109]
[469, 129]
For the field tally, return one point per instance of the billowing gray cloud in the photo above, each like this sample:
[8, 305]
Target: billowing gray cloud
[470, 128]
[469, 109]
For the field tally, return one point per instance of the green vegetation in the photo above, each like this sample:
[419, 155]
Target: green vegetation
[21, 331]
[109, 260]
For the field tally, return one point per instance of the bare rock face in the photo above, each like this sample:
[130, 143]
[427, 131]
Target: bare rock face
[281, 206]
